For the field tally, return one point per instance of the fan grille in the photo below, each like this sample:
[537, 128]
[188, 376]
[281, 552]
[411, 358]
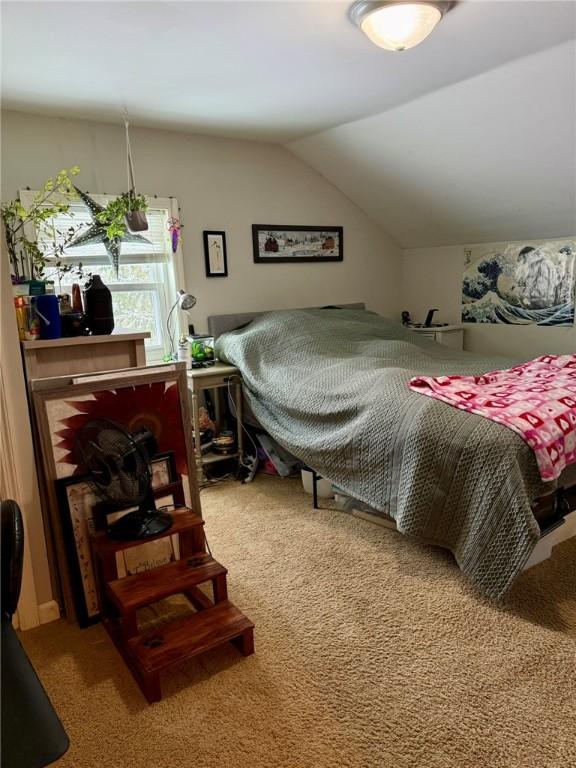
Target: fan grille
[118, 462]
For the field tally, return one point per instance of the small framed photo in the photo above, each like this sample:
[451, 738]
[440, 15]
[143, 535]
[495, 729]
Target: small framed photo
[282, 244]
[163, 469]
[215, 254]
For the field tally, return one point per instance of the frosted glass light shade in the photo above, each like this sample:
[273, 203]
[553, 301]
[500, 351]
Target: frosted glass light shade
[397, 26]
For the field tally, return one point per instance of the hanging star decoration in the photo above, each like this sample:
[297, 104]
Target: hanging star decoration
[97, 232]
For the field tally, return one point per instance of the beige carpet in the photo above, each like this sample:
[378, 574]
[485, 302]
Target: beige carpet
[371, 651]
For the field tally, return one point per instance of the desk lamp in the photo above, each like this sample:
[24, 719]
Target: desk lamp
[185, 302]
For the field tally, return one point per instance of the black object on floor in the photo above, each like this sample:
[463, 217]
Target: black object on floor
[32, 734]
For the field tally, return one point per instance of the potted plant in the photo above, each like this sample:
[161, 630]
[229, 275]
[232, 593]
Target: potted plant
[136, 214]
[128, 210]
[28, 262]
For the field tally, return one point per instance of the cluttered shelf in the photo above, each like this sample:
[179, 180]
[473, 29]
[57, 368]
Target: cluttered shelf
[224, 444]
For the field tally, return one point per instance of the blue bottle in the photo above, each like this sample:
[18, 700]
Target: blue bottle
[48, 311]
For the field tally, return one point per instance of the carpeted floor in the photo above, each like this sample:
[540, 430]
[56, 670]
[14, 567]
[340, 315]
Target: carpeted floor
[371, 652]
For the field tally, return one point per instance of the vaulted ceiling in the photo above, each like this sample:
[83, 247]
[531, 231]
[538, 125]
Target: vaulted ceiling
[489, 159]
[468, 137]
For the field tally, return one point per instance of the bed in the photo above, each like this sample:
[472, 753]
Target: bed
[331, 386]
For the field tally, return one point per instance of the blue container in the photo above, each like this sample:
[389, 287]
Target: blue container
[48, 310]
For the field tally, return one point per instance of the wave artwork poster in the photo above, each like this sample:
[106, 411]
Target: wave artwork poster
[531, 283]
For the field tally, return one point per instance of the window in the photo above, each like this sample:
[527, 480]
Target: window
[149, 274]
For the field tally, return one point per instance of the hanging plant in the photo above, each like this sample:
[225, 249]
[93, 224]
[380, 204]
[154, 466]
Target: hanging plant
[22, 227]
[108, 226]
[119, 221]
[136, 216]
[117, 213]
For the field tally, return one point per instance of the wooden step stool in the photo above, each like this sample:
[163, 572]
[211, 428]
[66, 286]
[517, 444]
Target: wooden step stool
[217, 620]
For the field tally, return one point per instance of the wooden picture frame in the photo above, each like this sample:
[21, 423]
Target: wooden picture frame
[49, 395]
[76, 498]
[215, 256]
[284, 244]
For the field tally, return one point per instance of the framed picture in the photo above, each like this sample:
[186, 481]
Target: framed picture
[163, 469]
[276, 244]
[520, 283]
[76, 500]
[155, 398]
[215, 254]
[80, 506]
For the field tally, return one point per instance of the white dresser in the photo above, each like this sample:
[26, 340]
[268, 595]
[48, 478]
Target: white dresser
[449, 335]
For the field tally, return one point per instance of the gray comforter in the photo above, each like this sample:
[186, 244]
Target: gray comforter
[331, 386]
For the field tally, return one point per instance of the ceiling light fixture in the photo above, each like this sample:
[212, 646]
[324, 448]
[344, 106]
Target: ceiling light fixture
[398, 25]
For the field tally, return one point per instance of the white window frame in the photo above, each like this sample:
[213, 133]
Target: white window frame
[165, 289]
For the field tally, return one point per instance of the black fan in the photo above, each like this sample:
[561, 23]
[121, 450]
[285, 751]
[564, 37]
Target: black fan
[119, 463]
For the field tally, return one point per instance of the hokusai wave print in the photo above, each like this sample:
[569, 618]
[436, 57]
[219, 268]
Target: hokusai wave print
[520, 283]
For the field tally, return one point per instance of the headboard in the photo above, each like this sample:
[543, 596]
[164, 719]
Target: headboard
[219, 324]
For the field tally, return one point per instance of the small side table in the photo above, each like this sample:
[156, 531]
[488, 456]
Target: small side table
[449, 335]
[218, 376]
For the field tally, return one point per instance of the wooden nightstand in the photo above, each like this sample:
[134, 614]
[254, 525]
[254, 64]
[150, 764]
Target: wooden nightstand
[449, 335]
[218, 376]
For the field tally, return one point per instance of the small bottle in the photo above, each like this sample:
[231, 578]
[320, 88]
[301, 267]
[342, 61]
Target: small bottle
[77, 298]
[65, 304]
[22, 310]
[32, 332]
[184, 351]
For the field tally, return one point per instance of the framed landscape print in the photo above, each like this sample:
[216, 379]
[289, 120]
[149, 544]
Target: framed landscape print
[215, 254]
[278, 244]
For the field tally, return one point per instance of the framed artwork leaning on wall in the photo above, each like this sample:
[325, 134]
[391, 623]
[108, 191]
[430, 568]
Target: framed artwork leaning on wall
[154, 398]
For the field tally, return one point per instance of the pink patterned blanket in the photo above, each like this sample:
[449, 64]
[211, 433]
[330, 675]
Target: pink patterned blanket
[536, 399]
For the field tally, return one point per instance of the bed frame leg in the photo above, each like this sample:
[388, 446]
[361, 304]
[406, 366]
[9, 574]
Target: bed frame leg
[315, 489]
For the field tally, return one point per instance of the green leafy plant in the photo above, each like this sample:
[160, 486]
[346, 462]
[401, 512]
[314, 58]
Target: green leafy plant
[22, 226]
[114, 215]
[201, 351]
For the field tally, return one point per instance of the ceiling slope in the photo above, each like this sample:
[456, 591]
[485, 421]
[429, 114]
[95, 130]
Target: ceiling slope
[488, 159]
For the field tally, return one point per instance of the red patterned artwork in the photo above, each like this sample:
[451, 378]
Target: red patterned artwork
[156, 406]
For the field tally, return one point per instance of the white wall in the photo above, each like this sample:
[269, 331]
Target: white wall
[220, 184]
[432, 277]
